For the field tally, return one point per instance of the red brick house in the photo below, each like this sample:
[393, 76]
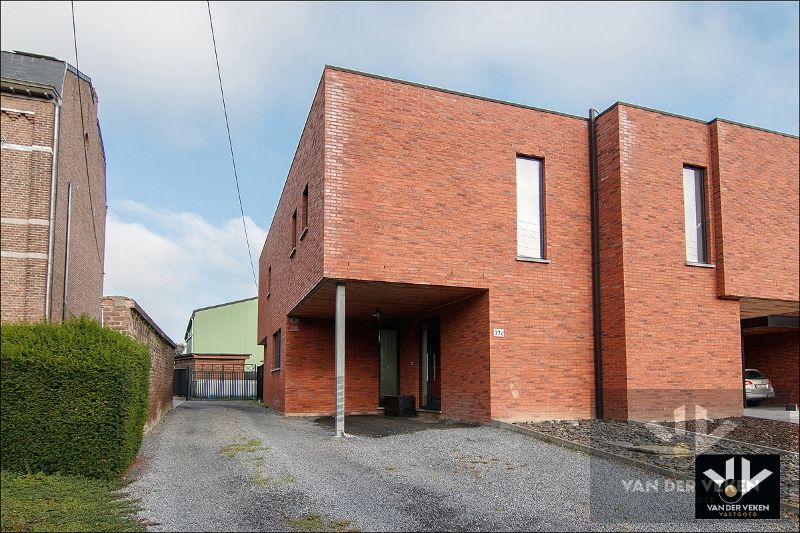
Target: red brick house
[53, 191]
[451, 247]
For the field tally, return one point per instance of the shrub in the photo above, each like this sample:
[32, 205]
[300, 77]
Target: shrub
[74, 398]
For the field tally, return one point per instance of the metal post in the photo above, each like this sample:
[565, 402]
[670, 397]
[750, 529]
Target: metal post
[340, 310]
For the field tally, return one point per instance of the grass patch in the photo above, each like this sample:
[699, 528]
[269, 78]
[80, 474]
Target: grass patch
[41, 502]
[232, 449]
[314, 522]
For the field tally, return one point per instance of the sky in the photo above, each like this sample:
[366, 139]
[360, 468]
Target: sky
[174, 233]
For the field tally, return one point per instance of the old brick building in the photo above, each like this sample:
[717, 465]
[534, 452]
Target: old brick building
[458, 242]
[53, 209]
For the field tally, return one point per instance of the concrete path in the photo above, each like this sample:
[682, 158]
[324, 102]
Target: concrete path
[214, 466]
[772, 412]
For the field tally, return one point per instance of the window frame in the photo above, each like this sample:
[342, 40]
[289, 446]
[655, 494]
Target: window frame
[294, 233]
[701, 204]
[277, 350]
[304, 213]
[541, 207]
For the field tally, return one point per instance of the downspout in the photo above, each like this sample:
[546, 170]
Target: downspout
[48, 299]
[598, 343]
[66, 251]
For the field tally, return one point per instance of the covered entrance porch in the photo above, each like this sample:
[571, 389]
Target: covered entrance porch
[352, 343]
[770, 352]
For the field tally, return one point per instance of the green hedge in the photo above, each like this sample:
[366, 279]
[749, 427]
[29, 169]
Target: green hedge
[74, 398]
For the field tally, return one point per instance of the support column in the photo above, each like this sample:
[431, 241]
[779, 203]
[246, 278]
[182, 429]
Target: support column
[340, 316]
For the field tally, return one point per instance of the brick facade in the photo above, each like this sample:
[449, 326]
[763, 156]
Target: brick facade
[124, 315]
[29, 146]
[412, 204]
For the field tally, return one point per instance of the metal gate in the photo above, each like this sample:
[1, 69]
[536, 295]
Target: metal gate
[222, 382]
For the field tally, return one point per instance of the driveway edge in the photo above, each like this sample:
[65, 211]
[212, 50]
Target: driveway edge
[786, 507]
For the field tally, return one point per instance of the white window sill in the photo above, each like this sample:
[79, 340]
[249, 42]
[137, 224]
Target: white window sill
[700, 265]
[275, 370]
[533, 260]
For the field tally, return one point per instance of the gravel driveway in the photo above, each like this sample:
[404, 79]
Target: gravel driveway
[211, 466]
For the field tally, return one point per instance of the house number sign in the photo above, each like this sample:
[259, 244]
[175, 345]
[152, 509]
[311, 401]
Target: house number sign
[499, 332]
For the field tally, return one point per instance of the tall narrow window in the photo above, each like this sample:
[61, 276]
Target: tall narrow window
[305, 208]
[530, 208]
[269, 280]
[694, 212]
[294, 229]
[276, 349]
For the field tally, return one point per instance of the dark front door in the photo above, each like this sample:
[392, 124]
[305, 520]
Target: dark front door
[431, 365]
[390, 370]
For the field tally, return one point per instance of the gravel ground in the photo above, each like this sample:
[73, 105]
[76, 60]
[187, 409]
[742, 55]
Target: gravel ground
[411, 475]
[608, 434]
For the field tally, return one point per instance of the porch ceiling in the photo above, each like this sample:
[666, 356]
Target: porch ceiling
[395, 300]
[753, 307]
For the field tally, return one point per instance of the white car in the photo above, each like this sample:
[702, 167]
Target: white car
[757, 387]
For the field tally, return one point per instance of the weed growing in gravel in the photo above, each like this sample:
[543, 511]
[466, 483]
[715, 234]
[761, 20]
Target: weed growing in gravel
[265, 481]
[232, 449]
[390, 468]
[258, 461]
[314, 522]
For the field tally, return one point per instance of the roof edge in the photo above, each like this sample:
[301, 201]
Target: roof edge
[693, 119]
[224, 304]
[450, 91]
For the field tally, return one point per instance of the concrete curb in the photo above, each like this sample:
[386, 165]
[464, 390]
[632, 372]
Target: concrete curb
[786, 507]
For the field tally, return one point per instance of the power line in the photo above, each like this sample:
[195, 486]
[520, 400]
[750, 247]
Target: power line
[230, 144]
[83, 130]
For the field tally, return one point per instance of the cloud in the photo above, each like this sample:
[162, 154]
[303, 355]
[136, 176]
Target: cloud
[172, 262]
[157, 56]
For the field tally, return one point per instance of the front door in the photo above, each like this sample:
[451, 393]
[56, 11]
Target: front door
[431, 365]
[390, 370]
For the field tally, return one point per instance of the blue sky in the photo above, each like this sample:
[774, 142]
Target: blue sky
[173, 240]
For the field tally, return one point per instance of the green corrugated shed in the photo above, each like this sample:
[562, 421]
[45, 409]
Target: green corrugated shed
[226, 328]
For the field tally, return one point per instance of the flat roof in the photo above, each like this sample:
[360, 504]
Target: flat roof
[569, 115]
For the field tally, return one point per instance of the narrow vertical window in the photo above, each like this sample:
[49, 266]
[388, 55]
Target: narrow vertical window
[294, 230]
[269, 280]
[694, 212]
[305, 208]
[530, 208]
[276, 349]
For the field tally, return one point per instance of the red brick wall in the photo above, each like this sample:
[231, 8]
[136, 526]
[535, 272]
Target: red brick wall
[310, 369]
[776, 356]
[612, 279]
[760, 247]
[86, 264]
[676, 336]
[420, 188]
[121, 314]
[25, 206]
[292, 277]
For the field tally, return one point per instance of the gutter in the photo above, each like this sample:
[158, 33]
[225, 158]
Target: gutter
[598, 342]
[48, 300]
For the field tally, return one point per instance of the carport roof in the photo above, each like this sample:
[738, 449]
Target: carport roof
[395, 300]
